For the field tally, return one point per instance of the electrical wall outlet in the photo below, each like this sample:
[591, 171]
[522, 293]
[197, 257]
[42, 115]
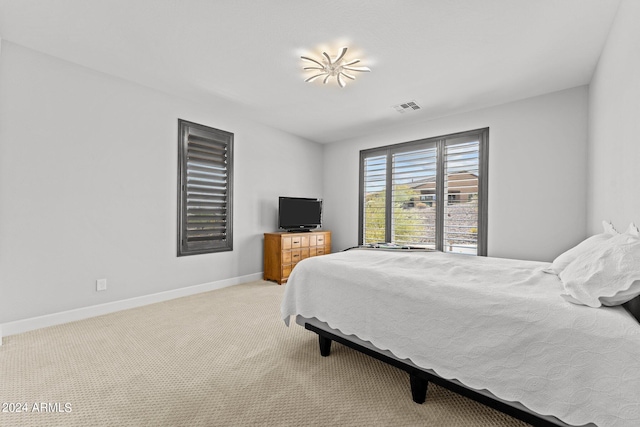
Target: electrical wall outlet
[101, 284]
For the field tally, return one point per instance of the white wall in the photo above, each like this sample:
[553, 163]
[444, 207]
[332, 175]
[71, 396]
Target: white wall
[614, 125]
[88, 187]
[537, 173]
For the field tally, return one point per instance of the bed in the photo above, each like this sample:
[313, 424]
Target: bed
[495, 330]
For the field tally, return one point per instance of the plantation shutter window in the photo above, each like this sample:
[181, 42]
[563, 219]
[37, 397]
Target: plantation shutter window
[375, 183]
[429, 194]
[461, 172]
[205, 193]
[414, 181]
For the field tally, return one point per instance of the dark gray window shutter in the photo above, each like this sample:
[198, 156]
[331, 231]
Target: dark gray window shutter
[205, 192]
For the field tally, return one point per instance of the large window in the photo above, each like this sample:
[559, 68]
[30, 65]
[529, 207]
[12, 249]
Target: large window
[430, 193]
[205, 175]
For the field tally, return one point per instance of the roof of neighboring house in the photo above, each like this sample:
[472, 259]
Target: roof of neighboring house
[432, 179]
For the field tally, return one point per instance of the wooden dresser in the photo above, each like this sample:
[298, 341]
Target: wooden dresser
[282, 251]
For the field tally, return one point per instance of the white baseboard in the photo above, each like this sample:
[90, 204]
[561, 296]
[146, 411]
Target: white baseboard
[24, 325]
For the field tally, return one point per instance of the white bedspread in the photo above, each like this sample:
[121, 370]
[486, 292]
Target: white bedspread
[490, 323]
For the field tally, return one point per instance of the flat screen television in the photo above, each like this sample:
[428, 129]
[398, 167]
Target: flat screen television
[299, 213]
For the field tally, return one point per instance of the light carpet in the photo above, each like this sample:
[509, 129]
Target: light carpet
[221, 358]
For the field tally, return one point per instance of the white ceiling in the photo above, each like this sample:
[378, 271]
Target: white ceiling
[448, 55]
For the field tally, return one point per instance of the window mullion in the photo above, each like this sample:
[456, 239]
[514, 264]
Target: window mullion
[388, 205]
[440, 201]
[483, 191]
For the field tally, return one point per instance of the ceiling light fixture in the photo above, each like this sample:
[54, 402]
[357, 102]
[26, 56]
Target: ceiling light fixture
[333, 67]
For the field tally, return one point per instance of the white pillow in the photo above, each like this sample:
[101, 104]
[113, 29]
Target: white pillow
[609, 228]
[607, 274]
[565, 258]
[633, 230]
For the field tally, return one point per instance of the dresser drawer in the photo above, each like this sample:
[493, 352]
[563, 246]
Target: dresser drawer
[286, 271]
[295, 256]
[296, 242]
[286, 243]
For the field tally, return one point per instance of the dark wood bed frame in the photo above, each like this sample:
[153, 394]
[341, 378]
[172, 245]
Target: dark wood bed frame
[419, 379]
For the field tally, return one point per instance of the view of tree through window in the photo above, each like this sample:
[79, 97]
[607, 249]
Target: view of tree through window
[426, 193]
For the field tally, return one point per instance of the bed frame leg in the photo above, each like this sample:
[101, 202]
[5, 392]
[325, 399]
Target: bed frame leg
[325, 345]
[418, 388]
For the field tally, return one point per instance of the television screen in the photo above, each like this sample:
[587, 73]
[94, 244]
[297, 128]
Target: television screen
[297, 213]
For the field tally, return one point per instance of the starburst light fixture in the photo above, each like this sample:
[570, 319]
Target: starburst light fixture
[337, 67]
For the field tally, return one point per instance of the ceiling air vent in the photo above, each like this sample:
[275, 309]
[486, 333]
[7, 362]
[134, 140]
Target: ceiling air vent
[407, 106]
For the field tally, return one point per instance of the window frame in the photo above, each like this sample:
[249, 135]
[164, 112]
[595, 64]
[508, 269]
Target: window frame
[226, 139]
[439, 143]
